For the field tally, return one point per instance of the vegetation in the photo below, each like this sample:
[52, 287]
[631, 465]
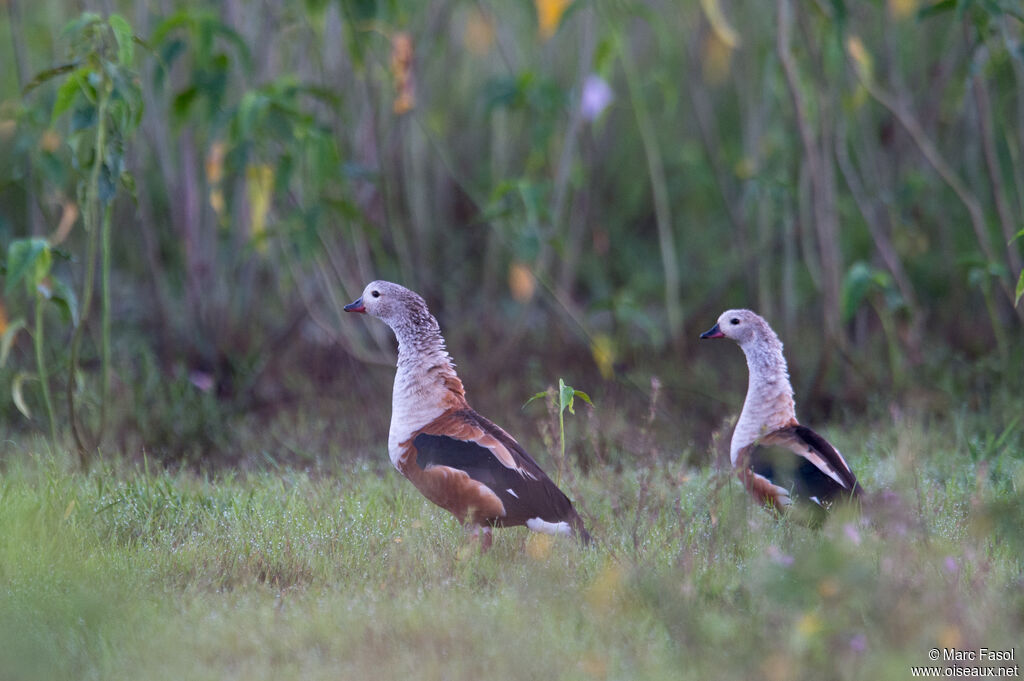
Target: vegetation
[591, 181]
[349, 573]
[193, 444]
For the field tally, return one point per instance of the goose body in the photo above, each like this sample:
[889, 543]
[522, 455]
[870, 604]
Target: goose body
[455, 457]
[778, 459]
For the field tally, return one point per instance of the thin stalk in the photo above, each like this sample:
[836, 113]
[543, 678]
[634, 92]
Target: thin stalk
[44, 378]
[105, 319]
[91, 218]
[561, 439]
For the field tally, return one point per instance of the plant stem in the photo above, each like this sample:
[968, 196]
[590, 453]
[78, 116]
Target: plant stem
[105, 318]
[44, 379]
[561, 439]
[91, 218]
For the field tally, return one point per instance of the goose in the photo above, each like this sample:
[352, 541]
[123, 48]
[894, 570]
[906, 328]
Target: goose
[778, 459]
[455, 457]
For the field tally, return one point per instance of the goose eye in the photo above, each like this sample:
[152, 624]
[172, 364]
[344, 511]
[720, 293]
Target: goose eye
[734, 321]
[375, 294]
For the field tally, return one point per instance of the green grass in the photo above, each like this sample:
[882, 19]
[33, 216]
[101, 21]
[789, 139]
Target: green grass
[127, 574]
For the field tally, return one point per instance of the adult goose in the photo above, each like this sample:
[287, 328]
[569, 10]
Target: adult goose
[455, 457]
[779, 460]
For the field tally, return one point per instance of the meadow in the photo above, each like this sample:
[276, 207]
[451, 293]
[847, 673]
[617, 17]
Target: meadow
[331, 571]
[193, 472]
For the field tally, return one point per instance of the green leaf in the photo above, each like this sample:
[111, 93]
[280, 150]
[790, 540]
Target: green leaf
[67, 93]
[27, 258]
[48, 74]
[125, 39]
[860, 280]
[16, 393]
[1020, 289]
[63, 296]
[7, 340]
[937, 8]
[565, 395]
[541, 394]
[583, 396]
[1015, 237]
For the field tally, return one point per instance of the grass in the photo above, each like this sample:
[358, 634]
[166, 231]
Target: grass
[129, 573]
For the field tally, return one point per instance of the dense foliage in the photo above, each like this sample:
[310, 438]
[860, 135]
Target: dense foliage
[578, 185]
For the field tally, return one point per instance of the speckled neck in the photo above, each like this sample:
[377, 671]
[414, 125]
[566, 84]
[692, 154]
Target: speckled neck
[426, 384]
[769, 404]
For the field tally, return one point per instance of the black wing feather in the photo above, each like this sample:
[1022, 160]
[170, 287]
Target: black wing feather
[529, 498]
[801, 477]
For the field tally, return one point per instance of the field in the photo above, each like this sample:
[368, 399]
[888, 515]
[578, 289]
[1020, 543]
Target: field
[346, 572]
[193, 475]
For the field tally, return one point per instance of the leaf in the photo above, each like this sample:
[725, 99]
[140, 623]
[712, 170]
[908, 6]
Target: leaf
[63, 296]
[565, 395]
[125, 39]
[49, 74]
[859, 281]
[16, 393]
[861, 57]
[549, 16]
[27, 258]
[259, 183]
[935, 9]
[719, 24]
[1020, 289]
[537, 396]
[7, 340]
[602, 348]
[66, 95]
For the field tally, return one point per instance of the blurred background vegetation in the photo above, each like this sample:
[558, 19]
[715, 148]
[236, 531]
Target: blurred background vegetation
[190, 191]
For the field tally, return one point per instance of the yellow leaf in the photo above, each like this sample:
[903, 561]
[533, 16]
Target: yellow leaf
[401, 71]
[69, 509]
[716, 60]
[521, 282]
[478, 35]
[215, 162]
[259, 182]
[860, 56]
[549, 16]
[603, 350]
[721, 27]
[217, 201]
[902, 9]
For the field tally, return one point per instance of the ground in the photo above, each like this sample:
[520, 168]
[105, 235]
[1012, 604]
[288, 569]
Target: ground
[129, 573]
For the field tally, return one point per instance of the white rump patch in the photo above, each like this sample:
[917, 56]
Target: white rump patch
[509, 490]
[539, 525]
